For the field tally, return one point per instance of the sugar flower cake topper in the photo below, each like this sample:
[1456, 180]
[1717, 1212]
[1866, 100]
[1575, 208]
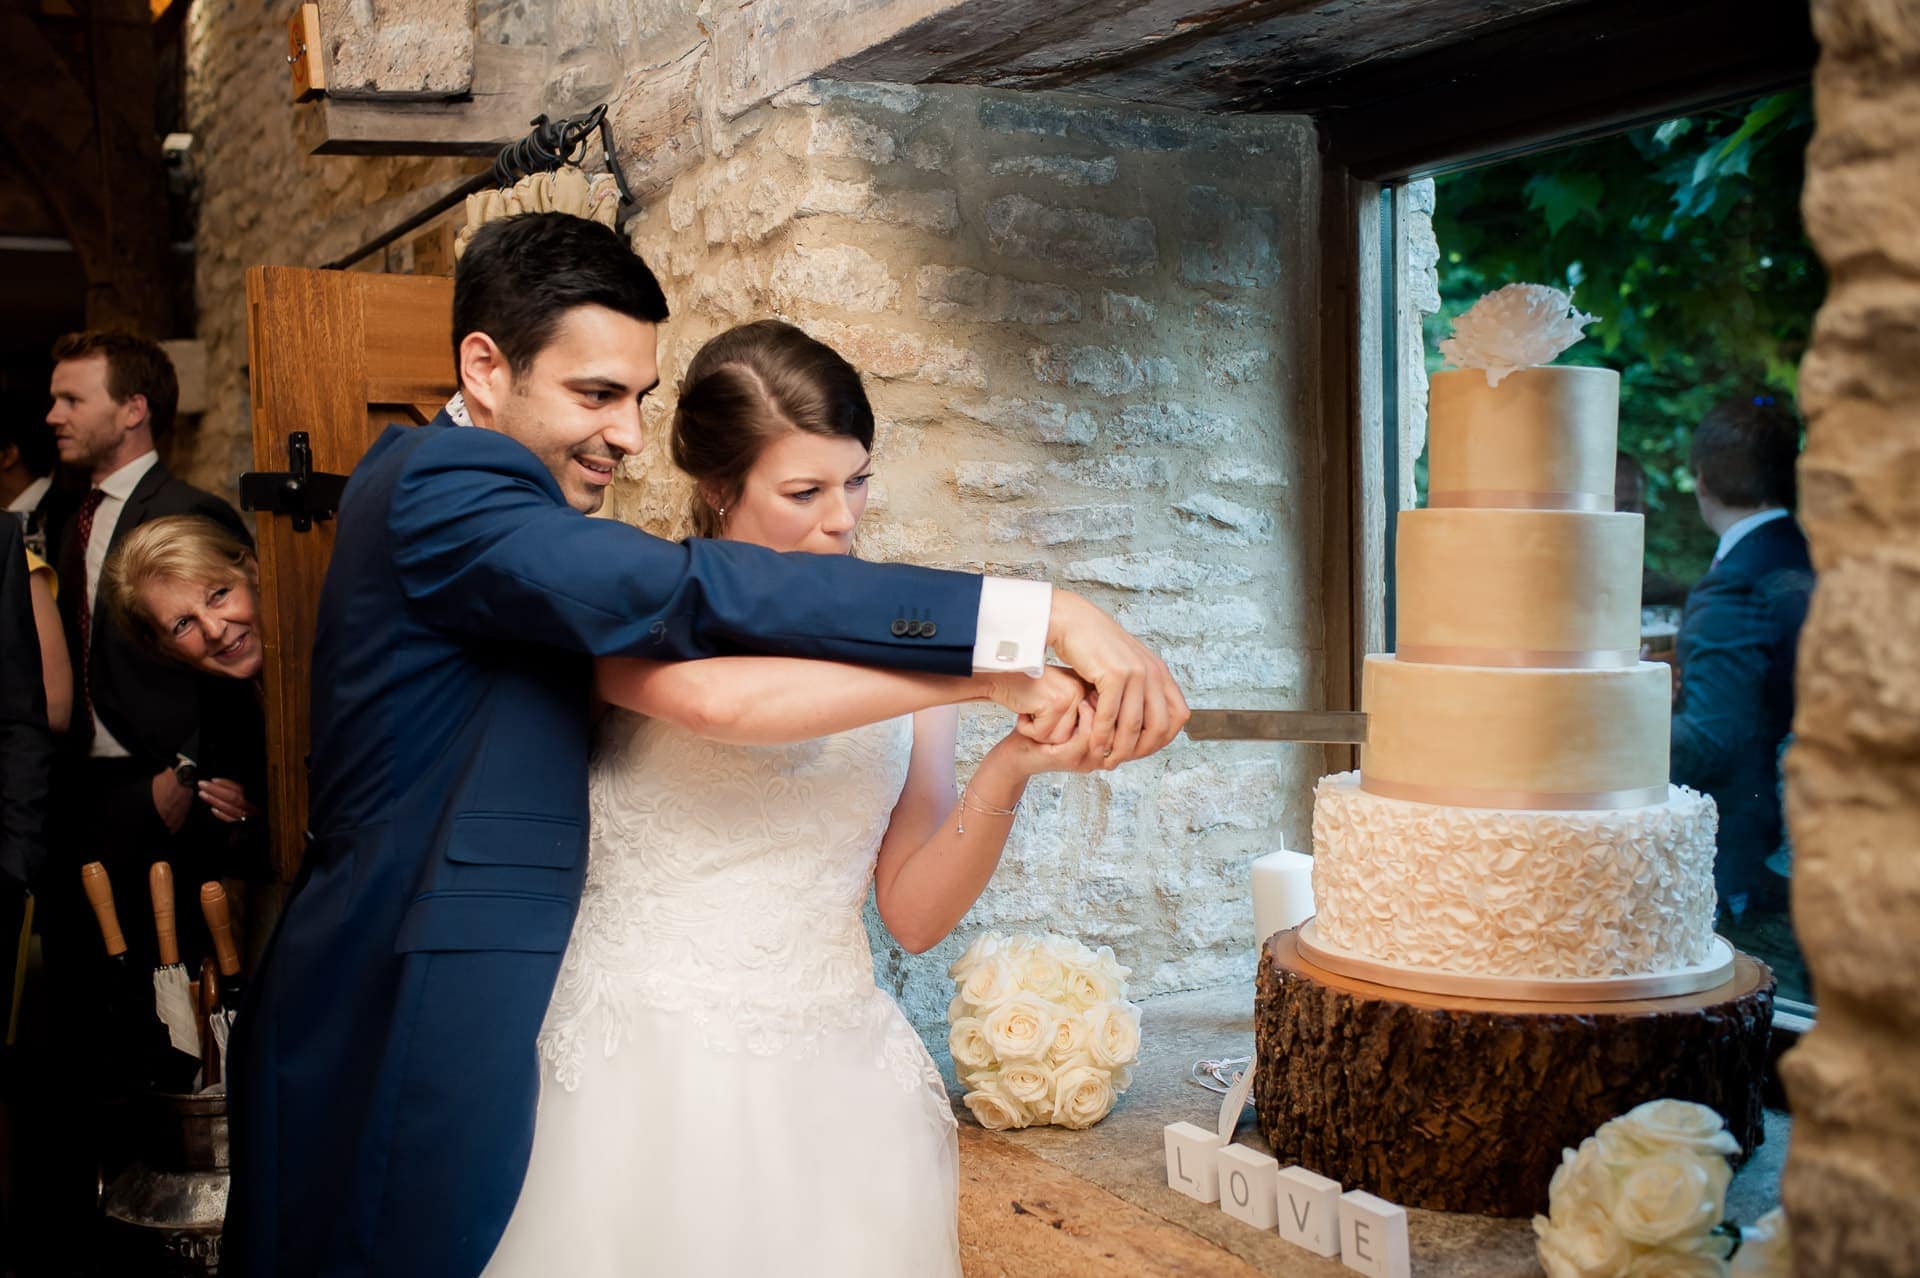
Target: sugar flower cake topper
[1515, 327]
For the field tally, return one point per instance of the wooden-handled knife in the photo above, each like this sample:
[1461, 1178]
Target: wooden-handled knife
[1339, 727]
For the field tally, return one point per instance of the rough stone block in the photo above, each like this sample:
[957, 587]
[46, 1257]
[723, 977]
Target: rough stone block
[1247, 1188]
[1155, 424]
[837, 275]
[1241, 666]
[1247, 795]
[996, 481]
[1232, 314]
[1217, 519]
[386, 48]
[1309, 1210]
[1144, 571]
[1080, 239]
[1228, 241]
[1236, 368]
[1113, 474]
[1059, 525]
[1231, 471]
[959, 293]
[1128, 129]
[852, 138]
[1041, 420]
[1126, 309]
[1064, 169]
[1101, 369]
[1186, 619]
[891, 355]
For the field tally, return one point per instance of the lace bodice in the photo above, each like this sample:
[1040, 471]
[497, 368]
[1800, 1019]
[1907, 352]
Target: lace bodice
[726, 882]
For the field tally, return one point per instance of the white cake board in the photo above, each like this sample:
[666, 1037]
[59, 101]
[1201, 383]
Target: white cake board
[1716, 969]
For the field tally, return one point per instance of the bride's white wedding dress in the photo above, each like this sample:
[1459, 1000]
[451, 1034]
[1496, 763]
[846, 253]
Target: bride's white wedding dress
[723, 1088]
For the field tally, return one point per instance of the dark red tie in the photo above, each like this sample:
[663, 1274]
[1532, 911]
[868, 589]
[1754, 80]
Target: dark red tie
[88, 506]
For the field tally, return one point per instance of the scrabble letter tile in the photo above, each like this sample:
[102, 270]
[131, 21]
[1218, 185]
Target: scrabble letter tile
[1247, 1186]
[1373, 1236]
[1309, 1210]
[1191, 1168]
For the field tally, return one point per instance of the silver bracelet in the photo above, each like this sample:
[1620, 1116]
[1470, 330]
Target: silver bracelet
[966, 798]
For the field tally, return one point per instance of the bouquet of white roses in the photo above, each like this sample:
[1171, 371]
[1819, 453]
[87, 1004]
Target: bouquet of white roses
[1041, 1031]
[1646, 1195]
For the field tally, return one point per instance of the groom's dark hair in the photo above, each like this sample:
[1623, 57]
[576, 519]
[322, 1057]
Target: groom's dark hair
[521, 274]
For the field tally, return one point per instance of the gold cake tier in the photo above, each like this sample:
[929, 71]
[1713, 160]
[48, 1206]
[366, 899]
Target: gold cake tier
[1544, 439]
[1491, 737]
[1550, 588]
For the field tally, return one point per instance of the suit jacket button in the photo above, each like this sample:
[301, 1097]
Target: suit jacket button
[899, 626]
[928, 629]
[915, 628]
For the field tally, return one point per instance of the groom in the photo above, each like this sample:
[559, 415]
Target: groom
[385, 1076]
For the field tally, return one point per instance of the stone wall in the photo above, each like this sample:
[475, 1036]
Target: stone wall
[1853, 1173]
[1088, 336]
[263, 201]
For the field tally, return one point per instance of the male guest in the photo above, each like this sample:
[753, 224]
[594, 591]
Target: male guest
[118, 796]
[1738, 639]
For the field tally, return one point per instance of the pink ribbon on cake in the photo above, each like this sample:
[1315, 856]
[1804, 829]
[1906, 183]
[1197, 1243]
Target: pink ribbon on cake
[1442, 654]
[1454, 796]
[1521, 499]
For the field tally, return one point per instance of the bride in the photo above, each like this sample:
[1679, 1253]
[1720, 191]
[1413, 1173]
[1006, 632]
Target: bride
[725, 1090]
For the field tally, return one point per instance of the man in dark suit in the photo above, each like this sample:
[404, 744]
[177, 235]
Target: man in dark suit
[29, 490]
[1739, 637]
[118, 797]
[385, 1070]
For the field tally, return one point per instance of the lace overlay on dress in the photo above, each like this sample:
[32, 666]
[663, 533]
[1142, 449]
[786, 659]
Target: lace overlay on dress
[725, 884]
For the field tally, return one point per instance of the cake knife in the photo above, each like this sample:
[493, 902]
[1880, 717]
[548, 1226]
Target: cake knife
[1347, 727]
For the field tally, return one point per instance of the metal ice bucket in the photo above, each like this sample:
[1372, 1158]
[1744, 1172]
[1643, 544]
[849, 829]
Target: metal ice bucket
[167, 1207]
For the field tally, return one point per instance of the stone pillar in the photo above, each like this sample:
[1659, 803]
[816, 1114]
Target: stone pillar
[1853, 1173]
[1089, 335]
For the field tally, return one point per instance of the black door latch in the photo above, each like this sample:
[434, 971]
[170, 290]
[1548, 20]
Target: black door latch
[299, 491]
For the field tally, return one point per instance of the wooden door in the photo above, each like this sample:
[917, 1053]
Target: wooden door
[338, 355]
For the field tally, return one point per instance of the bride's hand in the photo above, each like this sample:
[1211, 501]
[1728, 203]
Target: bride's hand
[1074, 754]
[1046, 705]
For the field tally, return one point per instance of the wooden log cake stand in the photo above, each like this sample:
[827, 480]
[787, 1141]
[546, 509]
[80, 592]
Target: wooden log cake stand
[1464, 1104]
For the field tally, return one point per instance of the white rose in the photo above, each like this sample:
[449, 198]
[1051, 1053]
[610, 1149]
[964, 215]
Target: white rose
[992, 983]
[1113, 1033]
[1581, 1178]
[1069, 952]
[1042, 974]
[1766, 1249]
[1026, 1082]
[1020, 1029]
[1111, 967]
[967, 1040]
[1121, 1077]
[983, 948]
[1069, 1039]
[1672, 1124]
[958, 1008]
[1081, 1096]
[1088, 986]
[994, 1111]
[1584, 1245]
[1667, 1196]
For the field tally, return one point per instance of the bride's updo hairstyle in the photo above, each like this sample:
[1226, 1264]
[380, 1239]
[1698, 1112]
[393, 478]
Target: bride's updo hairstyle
[749, 386]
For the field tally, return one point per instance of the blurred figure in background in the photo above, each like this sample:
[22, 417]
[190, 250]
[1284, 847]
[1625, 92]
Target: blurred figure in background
[29, 490]
[1739, 638]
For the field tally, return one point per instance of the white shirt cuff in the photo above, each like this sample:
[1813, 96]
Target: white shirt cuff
[1012, 630]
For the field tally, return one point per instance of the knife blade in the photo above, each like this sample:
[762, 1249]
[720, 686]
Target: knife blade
[1343, 727]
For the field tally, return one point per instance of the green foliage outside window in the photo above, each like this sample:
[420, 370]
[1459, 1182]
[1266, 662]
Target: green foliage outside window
[1686, 240]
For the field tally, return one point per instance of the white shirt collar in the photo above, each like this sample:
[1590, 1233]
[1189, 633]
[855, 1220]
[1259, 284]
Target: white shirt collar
[30, 495]
[456, 410]
[121, 483]
[1731, 537]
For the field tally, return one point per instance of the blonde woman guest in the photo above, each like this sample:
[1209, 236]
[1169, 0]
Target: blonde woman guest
[188, 589]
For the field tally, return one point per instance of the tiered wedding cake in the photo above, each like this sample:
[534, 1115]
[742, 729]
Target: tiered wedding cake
[1511, 817]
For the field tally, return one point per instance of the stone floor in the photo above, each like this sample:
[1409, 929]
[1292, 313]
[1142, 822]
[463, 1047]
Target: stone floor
[1051, 1203]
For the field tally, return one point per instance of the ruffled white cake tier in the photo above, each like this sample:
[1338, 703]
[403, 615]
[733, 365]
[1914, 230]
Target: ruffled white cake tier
[1492, 892]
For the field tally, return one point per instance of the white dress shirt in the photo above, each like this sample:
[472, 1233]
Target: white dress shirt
[30, 496]
[1010, 632]
[115, 490]
[1731, 537]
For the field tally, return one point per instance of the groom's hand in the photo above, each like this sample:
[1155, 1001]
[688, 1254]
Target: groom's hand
[1138, 708]
[1048, 706]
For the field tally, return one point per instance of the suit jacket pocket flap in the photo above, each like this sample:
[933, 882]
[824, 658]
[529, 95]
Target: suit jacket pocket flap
[508, 838]
[525, 922]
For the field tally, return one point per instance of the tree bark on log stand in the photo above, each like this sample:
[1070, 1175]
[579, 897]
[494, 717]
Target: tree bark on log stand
[1464, 1104]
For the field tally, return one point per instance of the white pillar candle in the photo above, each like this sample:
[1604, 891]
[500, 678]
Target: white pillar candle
[1282, 893]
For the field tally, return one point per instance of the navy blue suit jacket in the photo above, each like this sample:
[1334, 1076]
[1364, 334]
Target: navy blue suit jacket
[1738, 640]
[385, 1073]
